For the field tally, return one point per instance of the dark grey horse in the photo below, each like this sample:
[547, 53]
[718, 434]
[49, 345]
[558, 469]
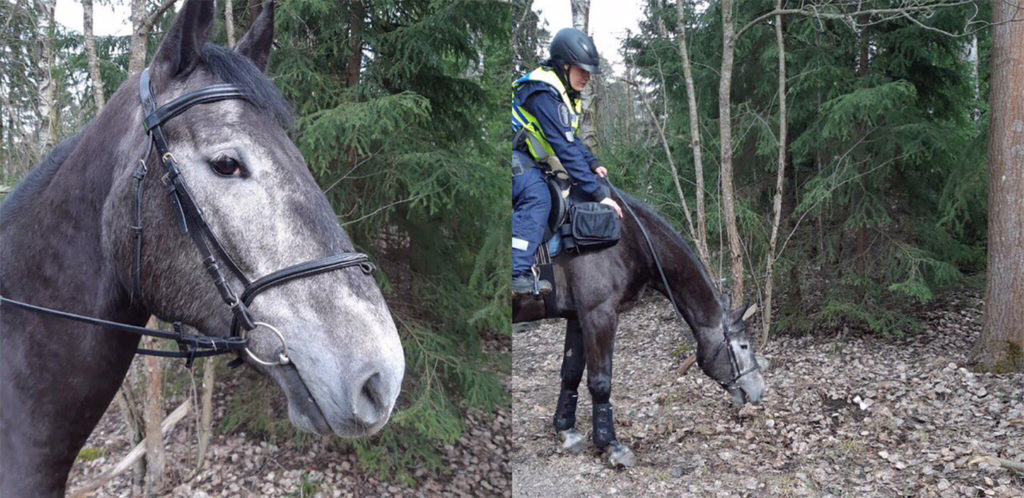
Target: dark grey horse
[594, 287]
[67, 245]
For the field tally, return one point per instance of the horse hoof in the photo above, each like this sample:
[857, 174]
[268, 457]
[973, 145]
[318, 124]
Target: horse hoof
[620, 454]
[572, 441]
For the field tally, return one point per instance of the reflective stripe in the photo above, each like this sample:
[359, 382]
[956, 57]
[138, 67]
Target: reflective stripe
[520, 244]
[537, 142]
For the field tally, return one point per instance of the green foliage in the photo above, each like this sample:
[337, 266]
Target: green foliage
[412, 156]
[884, 201]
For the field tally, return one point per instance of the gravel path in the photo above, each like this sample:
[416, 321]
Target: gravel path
[850, 416]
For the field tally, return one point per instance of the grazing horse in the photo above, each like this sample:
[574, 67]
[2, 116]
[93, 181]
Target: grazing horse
[68, 244]
[592, 288]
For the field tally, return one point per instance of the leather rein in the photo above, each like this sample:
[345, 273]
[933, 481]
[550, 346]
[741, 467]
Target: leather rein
[191, 221]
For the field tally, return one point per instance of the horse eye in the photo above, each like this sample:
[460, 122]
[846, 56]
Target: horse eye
[226, 166]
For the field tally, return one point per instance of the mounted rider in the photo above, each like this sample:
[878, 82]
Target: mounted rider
[547, 113]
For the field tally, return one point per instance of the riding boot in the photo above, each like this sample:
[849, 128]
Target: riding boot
[565, 412]
[604, 426]
[524, 284]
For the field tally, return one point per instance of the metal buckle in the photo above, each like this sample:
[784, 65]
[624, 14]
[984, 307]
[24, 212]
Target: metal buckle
[282, 358]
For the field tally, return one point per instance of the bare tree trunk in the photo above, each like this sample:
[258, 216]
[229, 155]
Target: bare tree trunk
[135, 424]
[1001, 345]
[47, 87]
[206, 412]
[701, 237]
[354, 64]
[90, 50]
[766, 313]
[154, 413]
[229, 22]
[142, 23]
[725, 131]
[581, 15]
[137, 57]
[355, 43]
[659, 126]
[581, 21]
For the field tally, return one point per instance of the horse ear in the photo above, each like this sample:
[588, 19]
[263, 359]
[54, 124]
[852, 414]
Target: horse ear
[726, 299]
[749, 312]
[180, 51]
[256, 44]
[742, 313]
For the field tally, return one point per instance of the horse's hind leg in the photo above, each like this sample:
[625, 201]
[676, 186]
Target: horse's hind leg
[599, 326]
[573, 363]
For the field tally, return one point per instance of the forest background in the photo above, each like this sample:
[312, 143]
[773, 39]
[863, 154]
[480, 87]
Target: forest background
[828, 159]
[400, 113]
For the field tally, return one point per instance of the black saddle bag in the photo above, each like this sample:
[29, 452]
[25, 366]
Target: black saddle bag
[594, 226]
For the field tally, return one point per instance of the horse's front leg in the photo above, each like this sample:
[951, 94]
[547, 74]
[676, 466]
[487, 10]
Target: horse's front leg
[599, 340]
[573, 363]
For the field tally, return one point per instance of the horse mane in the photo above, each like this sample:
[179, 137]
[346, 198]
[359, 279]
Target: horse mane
[235, 69]
[37, 179]
[648, 213]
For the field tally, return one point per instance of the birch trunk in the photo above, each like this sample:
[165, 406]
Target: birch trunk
[1001, 345]
[47, 87]
[206, 411]
[94, 62]
[137, 57]
[701, 237]
[580, 15]
[142, 23]
[154, 413]
[229, 22]
[766, 313]
[725, 131]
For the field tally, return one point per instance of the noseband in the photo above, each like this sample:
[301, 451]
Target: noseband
[190, 220]
[734, 362]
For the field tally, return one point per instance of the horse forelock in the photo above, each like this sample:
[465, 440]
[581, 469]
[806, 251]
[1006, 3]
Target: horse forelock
[235, 69]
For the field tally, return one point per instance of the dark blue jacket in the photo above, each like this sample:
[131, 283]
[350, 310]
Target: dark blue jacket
[543, 102]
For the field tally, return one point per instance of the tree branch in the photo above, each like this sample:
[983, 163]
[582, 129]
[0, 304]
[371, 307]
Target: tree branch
[814, 11]
[150, 21]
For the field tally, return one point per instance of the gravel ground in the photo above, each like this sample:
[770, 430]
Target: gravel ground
[844, 416]
[243, 465]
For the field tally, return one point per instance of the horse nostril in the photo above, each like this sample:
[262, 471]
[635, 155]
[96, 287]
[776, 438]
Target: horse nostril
[370, 403]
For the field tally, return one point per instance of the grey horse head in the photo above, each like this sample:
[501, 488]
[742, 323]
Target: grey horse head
[261, 202]
[733, 362]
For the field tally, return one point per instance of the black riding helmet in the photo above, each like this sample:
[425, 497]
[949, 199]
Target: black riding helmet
[572, 46]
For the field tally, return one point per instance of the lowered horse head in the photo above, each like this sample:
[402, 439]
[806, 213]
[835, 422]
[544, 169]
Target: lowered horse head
[726, 354]
[262, 204]
[69, 244]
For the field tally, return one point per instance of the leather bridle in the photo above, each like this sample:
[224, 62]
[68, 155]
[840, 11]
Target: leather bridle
[191, 221]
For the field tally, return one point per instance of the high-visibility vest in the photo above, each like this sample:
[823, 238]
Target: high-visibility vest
[525, 123]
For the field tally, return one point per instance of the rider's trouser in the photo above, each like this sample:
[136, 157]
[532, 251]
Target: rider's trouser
[531, 203]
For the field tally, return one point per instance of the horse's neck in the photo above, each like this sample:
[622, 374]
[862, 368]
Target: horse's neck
[56, 236]
[53, 256]
[690, 286]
